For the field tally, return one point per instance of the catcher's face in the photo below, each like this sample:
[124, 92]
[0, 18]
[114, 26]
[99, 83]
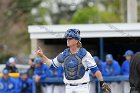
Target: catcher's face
[71, 42]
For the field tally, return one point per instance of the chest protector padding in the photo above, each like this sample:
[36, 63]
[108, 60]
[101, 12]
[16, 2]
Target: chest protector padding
[73, 66]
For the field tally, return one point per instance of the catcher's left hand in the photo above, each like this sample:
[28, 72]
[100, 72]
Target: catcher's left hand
[105, 88]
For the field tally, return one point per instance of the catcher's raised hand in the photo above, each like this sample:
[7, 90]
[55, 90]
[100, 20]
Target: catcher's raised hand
[39, 52]
[105, 88]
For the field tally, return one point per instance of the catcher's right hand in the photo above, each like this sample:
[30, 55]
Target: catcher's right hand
[39, 52]
[105, 88]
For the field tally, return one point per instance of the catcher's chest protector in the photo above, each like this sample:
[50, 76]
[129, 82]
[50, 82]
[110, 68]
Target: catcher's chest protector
[73, 66]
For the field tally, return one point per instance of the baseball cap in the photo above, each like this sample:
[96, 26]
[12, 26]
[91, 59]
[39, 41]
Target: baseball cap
[109, 57]
[22, 72]
[128, 53]
[5, 71]
[12, 60]
[38, 60]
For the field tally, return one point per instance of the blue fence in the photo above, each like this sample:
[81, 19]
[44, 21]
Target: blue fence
[60, 80]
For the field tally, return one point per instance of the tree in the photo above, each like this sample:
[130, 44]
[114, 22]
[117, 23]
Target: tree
[14, 19]
[92, 15]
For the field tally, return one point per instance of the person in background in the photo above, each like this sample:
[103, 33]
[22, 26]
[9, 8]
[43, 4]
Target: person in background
[40, 73]
[7, 84]
[30, 71]
[24, 84]
[11, 65]
[126, 64]
[111, 66]
[58, 73]
[99, 63]
[125, 69]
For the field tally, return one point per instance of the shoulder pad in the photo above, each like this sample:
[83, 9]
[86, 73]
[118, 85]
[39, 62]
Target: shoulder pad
[66, 53]
[82, 52]
[60, 58]
[63, 55]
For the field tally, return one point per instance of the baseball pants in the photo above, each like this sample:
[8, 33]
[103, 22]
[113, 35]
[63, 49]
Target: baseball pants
[80, 88]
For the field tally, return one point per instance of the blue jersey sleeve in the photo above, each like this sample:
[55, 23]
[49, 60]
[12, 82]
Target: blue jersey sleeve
[18, 86]
[30, 82]
[125, 68]
[60, 71]
[56, 62]
[46, 72]
[106, 72]
[116, 69]
[13, 81]
[93, 70]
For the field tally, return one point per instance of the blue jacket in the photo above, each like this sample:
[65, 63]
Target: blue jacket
[57, 72]
[24, 86]
[42, 71]
[7, 86]
[125, 67]
[111, 70]
[101, 66]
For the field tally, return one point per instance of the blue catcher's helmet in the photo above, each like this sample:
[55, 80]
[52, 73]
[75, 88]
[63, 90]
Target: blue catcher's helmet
[73, 33]
[129, 53]
[38, 60]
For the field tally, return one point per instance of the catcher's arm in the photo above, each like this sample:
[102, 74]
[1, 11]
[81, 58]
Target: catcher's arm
[45, 59]
[104, 87]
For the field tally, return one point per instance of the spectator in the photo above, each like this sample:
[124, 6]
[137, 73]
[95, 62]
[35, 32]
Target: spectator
[111, 66]
[126, 64]
[41, 72]
[30, 71]
[99, 63]
[126, 68]
[58, 72]
[11, 65]
[7, 84]
[24, 84]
